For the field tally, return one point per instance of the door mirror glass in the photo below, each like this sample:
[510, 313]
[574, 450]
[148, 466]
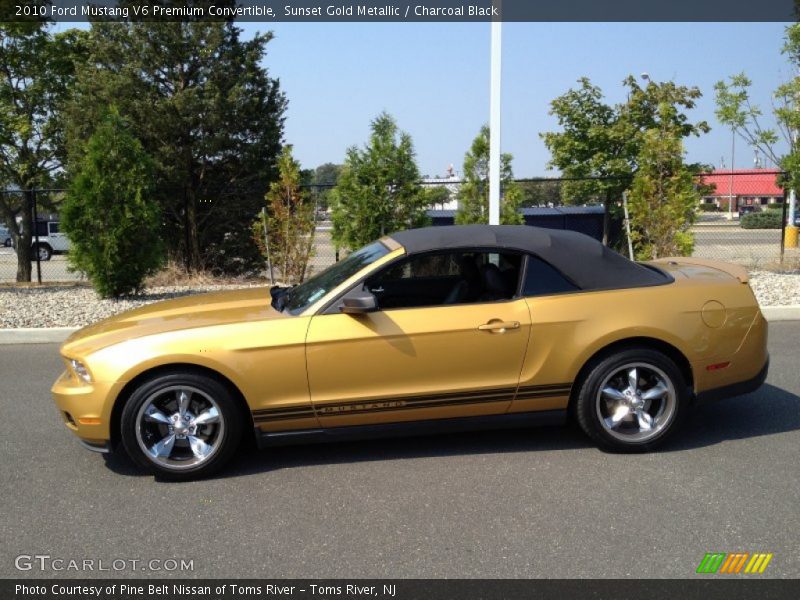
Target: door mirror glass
[359, 302]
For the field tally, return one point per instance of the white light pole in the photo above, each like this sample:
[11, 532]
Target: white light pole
[494, 124]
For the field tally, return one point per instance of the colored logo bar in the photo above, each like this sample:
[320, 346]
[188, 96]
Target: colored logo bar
[734, 562]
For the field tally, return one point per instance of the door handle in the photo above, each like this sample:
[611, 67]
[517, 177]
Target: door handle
[499, 326]
[377, 290]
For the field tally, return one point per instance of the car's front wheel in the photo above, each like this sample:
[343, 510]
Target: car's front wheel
[632, 401]
[181, 425]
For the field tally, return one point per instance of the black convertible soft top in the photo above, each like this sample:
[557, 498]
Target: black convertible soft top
[584, 260]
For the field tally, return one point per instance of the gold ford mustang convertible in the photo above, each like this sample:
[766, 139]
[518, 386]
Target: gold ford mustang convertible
[425, 330]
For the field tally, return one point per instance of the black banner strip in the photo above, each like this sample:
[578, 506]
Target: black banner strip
[376, 11]
[705, 588]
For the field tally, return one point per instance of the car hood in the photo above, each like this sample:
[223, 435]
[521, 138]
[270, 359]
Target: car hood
[189, 312]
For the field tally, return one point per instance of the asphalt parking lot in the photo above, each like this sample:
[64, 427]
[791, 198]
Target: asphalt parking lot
[528, 503]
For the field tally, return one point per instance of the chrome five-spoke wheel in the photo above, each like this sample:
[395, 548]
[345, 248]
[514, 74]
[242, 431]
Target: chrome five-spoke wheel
[636, 402]
[179, 427]
[631, 400]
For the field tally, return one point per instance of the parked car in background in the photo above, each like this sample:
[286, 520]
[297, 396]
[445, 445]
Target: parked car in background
[5, 237]
[746, 210]
[50, 240]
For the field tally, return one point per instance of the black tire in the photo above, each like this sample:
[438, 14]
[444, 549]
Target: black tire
[7, 243]
[45, 252]
[139, 430]
[597, 413]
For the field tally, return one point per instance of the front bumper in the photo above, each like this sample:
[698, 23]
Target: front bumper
[86, 408]
[735, 389]
[101, 447]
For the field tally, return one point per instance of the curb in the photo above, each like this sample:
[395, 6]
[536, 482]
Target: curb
[35, 335]
[790, 312]
[52, 335]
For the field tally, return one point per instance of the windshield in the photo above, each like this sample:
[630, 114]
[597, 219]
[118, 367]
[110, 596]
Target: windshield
[308, 292]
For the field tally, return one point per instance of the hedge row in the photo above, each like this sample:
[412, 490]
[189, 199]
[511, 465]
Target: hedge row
[769, 219]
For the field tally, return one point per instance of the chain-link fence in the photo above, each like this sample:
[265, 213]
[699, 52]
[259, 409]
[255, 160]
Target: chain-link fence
[740, 219]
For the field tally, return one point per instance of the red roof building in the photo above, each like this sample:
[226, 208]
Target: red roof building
[748, 186]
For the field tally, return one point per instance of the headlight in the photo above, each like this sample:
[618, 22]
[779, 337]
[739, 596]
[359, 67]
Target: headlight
[80, 370]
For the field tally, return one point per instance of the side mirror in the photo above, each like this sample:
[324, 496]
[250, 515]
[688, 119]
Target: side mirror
[359, 303]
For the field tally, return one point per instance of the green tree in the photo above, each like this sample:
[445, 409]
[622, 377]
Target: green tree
[379, 190]
[601, 143]
[322, 181]
[289, 221]
[109, 210]
[542, 192]
[473, 195]
[592, 144]
[35, 80]
[736, 110]
[435, 195]
[663, 197]
[206, 110]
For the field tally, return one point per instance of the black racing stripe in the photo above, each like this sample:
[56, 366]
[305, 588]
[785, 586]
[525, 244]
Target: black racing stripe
[286, 409]
[410, 406]
[539, 391]
[545, 387]
[412, 402]
[436, 397]
[547, 391]
[269, 419]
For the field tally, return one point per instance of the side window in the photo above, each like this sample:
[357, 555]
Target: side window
[444, 278]
[54, 227]
[541, 279]
[41, 228]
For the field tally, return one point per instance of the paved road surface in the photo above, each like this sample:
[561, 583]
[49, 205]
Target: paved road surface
[529, 503]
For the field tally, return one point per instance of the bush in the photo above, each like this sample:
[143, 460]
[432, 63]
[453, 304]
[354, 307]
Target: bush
[778, 206]
[708, 207]
[769, 219]
[109, 214]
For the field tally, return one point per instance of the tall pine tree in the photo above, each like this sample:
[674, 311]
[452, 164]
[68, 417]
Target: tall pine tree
[379, 188]
[207, 111]
[473, 196]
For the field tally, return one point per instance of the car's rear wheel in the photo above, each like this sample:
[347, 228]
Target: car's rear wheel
[632, 401]
[44, 251]
[181, 426]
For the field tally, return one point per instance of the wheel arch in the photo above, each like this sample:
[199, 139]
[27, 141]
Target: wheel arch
[673, 353]
[130, 386]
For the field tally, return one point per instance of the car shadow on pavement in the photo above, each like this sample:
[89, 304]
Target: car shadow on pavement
[768, 411]
[538, 439]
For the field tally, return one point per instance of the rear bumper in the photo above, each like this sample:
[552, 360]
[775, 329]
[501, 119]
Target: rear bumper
[735, 389]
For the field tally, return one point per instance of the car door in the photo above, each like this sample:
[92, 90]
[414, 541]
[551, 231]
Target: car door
[558, 310]
[58, 240]
[421, 358]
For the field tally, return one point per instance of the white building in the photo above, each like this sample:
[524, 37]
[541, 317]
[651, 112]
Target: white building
[451, 183]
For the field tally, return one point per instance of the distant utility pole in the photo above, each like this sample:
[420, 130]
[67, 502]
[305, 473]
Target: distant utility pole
[730, 182]
[494, 120]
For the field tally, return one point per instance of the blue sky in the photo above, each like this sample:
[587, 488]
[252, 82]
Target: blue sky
[434, 79]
